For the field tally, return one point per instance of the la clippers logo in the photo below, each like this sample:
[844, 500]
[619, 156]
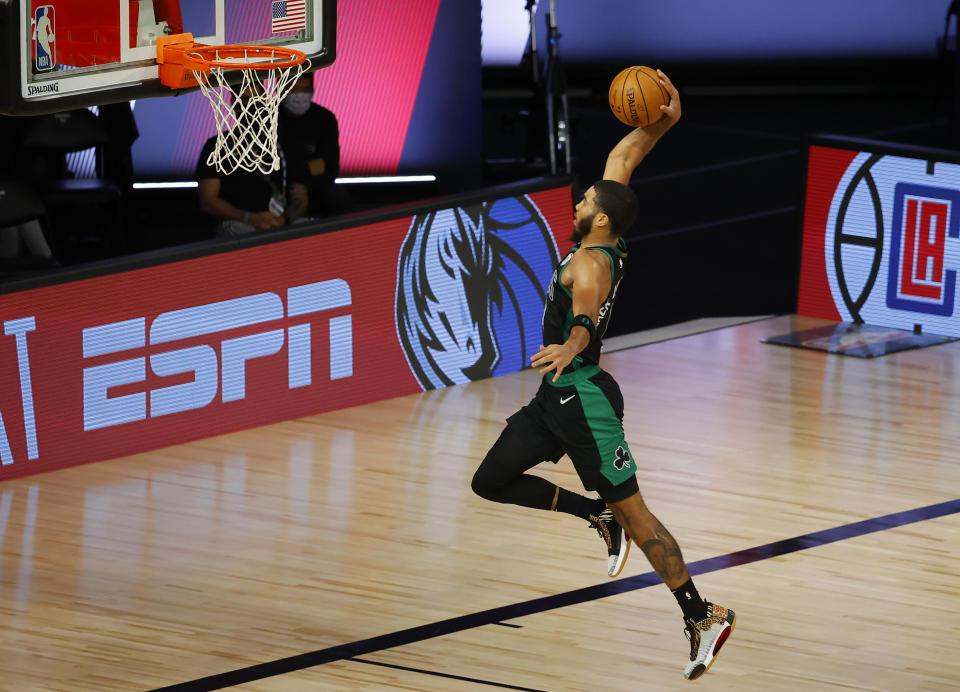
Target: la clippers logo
[923, 218]
[216, 366]
[893, 242]
[44, 47]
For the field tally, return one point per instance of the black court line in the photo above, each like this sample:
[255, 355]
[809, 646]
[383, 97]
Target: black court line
[445, 675]
[507, 624]
[545, 603]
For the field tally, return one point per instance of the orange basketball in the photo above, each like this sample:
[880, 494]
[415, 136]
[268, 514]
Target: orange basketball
[636, 95]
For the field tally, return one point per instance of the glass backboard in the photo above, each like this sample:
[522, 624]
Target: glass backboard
[66, 54]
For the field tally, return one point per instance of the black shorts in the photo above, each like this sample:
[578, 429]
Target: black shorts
[581, 415]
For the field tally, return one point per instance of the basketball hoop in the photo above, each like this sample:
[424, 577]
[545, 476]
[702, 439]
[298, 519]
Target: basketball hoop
[246, 114]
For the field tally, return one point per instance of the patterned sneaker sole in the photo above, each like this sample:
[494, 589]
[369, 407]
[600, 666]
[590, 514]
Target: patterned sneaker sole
[724, 636]
[623, 560]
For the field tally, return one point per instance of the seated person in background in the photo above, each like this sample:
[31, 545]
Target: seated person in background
[25, 243]
[310, 136]
[22, 240]
[249, 202]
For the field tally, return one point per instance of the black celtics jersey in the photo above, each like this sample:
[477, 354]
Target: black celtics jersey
[558, 310]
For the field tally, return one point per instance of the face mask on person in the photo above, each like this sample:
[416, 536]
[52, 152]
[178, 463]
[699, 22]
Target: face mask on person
[298, 103]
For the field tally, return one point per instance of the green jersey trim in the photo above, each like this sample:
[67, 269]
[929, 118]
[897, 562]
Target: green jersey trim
[574, 377]
[616, 462]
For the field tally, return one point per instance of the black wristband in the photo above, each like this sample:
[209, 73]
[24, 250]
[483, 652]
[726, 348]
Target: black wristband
[582, 320]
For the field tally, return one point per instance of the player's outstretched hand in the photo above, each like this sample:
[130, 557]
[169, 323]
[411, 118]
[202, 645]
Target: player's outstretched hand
[672, 111]
[553, 357]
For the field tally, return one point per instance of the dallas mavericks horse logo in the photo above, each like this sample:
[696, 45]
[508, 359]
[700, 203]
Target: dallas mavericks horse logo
[471, 285]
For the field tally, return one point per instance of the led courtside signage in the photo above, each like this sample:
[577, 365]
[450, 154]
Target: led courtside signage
[136, 360]
[881, 239]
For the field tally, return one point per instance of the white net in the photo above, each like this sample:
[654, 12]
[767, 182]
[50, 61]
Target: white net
[246, 114]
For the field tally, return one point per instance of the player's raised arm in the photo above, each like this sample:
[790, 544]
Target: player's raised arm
[632, 149]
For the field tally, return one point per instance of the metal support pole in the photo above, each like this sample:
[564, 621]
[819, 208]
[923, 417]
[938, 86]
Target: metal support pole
[558, 114]
[534, 58]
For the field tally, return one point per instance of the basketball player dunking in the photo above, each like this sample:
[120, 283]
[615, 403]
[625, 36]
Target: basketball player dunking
[578, 410]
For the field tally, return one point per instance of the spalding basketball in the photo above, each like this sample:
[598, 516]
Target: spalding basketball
[636, 95]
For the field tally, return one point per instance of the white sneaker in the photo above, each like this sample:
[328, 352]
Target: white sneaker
[706, 637]
[616, 539]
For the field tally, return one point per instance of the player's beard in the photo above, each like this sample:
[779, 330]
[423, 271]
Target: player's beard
[581, 228]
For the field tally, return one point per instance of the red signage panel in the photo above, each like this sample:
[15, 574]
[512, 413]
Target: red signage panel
[133, 361]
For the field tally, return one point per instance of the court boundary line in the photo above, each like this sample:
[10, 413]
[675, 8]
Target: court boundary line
[577, 596]
[672, 332]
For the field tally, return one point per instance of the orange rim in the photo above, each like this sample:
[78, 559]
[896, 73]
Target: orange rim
[229, 57]
[178, 52]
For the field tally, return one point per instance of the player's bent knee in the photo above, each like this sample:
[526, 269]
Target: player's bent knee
[479, 486]
[486, 480]
[493, 473]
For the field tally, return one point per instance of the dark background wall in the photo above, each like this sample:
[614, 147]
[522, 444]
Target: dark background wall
[736, 30]
[721, 194]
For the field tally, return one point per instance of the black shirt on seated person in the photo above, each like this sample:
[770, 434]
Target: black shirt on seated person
[252, 191]
[313, 135]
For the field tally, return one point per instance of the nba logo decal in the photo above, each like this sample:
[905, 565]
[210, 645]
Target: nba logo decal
[918, 278]
[45, 56]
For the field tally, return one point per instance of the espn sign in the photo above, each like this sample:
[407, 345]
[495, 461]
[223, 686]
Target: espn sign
[881, 239]
[205, 362]
[217, 367]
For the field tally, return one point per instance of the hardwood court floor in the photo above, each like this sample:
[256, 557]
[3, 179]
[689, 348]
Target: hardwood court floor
[213, 556]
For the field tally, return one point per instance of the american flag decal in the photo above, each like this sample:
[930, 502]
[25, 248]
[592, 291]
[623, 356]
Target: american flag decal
[288, 15]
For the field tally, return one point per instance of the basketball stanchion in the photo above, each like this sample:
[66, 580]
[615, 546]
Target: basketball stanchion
[247, 112]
